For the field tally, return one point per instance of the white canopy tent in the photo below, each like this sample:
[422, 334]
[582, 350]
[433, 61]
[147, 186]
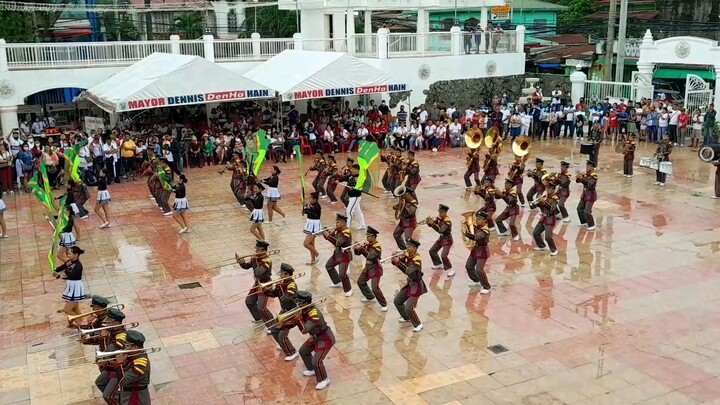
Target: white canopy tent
[163, 80]
[302, 75]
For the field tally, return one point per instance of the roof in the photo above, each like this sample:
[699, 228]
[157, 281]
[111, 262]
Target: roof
[163, 79]
[633, 15]
[566, 39]
[299, 75]
[606, 3]
[561, 53]
[537, 5]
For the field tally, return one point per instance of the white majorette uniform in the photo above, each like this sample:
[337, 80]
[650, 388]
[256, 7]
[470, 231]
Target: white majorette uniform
[258, 215]
[313, 224]
[74, 287]
[181, 202]
[67, 238]
[273, 194]
[3, 207]
[103, 196]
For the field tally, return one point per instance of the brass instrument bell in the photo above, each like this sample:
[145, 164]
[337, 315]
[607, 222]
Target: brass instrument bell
[474, 140]
[467, 226]
[521, 146]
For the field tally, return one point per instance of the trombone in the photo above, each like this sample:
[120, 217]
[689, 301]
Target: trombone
[260, 287]
[394, 255]
[100, 357]
[327, 228]
[346, 248]
[81, 332]
[260, 329]
[73, 318]
[236, 259]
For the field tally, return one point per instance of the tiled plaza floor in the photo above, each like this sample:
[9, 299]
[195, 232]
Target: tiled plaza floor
[627, 314]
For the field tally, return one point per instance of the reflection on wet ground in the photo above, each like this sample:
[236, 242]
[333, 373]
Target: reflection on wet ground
[626, 314]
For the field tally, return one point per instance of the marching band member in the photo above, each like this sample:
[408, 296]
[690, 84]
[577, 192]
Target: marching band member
[629, 156]
[487, 193]
[442, 224]
[273, 194]
[516, 174]
[511, 211]
[397, 163]
[106, 337]
[321, 340]
[563, 182]
[548, 205]
[74, 288]
[537, 174]
[110, 369]
[372, 250]
[238, 181]
[490, 166]
[716, 163]
[345, 174]
[387, 177]
[135, 372]
[663, 155]
[102, 208]
[332, 179]
[353, 210]
[341, 238]
[181, 204]
[319, 167]
[408, 222]
[100, 304]
[479, 254]
[286, 290]
[406, 299]
[473, 168]
[165, 193]
[412, 171]
[257, 217]
[67, 238]
[313, 211]
[261, 264]
[589, 196]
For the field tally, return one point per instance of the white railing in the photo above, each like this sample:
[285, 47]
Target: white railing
[596, 90]
[46, 55]
[365, 45]
[73, 55]
[492, 42]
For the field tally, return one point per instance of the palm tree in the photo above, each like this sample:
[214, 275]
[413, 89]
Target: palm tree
[271, 22]
[190, 24]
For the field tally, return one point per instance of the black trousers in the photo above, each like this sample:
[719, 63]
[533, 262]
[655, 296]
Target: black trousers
[584, 210]
[627, 167]
[537, 235]
[110, 169]
[476, 177]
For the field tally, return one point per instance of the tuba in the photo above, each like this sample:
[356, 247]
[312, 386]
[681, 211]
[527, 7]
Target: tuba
[493, 139]
[549, 178]
[467, 225]
[521, 147]
[474, 139]
[399, 192]
[620, 147]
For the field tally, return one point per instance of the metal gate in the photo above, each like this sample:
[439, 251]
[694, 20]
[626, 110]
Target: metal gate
[642, 86]
[698, 95]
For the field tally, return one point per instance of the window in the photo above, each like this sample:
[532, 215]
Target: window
[540, 24]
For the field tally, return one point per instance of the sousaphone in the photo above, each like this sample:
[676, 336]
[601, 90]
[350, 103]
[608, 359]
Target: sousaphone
[521, 146]
[493, 139]
[474, 139]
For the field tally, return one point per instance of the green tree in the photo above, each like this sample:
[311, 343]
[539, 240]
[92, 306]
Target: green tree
[576, 12]
[271, 22]
[16, 27]
[190, 24]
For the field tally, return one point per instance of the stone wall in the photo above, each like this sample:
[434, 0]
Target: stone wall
[703, 11]
[480, 91]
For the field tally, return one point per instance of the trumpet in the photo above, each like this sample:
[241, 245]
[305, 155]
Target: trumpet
[346, 248]
[429, 219]
[327, 228]
[394, 255]
[38, 347]
[260, 288]
[580, 176]
[260, 329]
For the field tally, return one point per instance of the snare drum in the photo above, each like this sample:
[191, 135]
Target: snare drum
[654, 164]
[666, 167]
[645, 162]
[587, 148]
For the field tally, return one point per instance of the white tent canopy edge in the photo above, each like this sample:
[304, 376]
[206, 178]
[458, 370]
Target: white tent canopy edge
[303, 75]
[166, 80]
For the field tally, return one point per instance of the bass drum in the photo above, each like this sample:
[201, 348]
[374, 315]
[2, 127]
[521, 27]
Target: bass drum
[587, 148]
[708, 153]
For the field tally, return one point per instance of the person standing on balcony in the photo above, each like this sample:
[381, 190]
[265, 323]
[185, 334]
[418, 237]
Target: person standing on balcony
[478, 38]
[488, 36]
[497, 35]
[467, 41]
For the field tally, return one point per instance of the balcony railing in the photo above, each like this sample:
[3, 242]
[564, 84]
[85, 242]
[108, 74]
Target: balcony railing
[85, 54]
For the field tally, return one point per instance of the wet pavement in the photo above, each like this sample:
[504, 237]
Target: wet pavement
[626, 314]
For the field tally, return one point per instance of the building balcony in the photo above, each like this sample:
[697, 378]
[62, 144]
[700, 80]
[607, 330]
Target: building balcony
[29, 56]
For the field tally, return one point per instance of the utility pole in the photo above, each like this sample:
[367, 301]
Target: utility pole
[607, 76]
[620, 70]
[148, 22]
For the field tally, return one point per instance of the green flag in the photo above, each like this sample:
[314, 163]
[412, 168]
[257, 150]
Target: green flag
[368, 154]
[163, 178]
[299, 155]
[63, 217]
[72, 161]
[263, 144]
[44, 198]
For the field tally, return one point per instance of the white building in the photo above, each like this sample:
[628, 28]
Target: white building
[420, 58]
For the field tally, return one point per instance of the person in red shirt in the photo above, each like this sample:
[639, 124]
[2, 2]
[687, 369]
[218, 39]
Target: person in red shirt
[683, 122]
[613, 125]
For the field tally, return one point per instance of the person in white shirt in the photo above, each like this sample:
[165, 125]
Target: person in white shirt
[440, 136]
[14, 142]
[25, 128]
[109, 150]
[556, 95]
[328, 135]
[450, 111]
[673, 126]
[569, 123]
[400, 136]
[663, 123]
[697, 125]
[38, 127]
[456, 138]
[469, 113]
[423, 116]
[429, 133]
[526, 123]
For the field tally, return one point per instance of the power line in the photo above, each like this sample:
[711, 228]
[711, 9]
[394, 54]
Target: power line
[190, 5]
